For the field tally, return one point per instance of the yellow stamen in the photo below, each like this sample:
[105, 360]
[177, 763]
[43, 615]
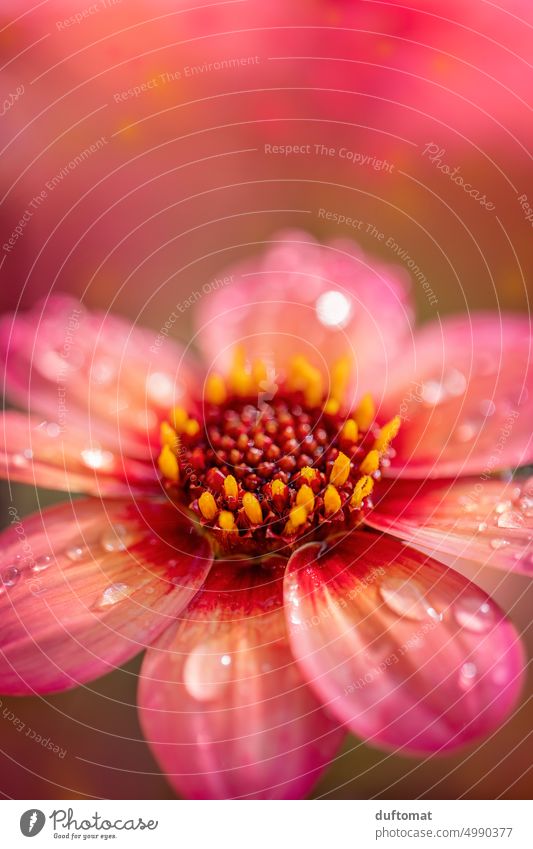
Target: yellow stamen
[168, 464]
[226, 520]
[306, 378]
[340, 375]
[362, 488]
[215, 389]
[387, 433]
[230, 487]
[371, 463]
[305, 498]
[252, 508]
[192, 427]
[332, 500]
[179, 418]
[168, 436]
[331, 407]
[350, 431]
[308, 473]
[340, 470]
[297, 517]
[207, 505]
[278, 487]
[365, 412]
[240, 378]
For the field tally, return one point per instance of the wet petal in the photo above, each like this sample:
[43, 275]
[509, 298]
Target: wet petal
[488, 521]
[467, 402]
[92, 371]
[38, 452]
[320, 301]
[405, 651]
[223, 704]
[87, 585]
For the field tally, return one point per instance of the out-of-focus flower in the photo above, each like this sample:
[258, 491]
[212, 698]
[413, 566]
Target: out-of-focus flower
[249, 527]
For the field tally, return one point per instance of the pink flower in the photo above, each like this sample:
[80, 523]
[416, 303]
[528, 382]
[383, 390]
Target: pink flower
[247, 527]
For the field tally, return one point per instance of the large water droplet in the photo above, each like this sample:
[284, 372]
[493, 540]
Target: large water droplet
[116, 538]
[206, 673]
[498, 543]
[113, 594]
[511, 519]
[474, 614]
[405, 597]
[42, 563]
[10, 576]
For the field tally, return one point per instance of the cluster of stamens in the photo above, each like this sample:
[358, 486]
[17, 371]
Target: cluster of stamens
[268, 465]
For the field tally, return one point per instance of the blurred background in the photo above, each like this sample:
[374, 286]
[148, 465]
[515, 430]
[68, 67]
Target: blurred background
[147, 144]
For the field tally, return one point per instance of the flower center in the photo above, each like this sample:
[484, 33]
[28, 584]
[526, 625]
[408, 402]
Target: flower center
[274, 461]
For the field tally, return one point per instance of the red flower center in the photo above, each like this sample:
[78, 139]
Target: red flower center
[273, 463]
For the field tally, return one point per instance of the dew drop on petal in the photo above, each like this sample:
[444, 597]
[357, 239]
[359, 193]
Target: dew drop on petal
[205, 674]
[467, 675]
[96, 458]
[487, 408]
[511, 519]
[498, 543]
[116, 538]
[404, 597]
[333, 309]
[474, 615]
[42, 563]
[10, 576]
[75, 553]
[113, 594]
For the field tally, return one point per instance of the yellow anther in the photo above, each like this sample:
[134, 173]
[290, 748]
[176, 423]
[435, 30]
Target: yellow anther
[362, 488]
[252, 508]
[297, 516]
[230, 487]
[350, 431]
[387, 433]
[168, 436]
[215, 389]
[192, 427]
[226, 520]
[305, 497]
[365, 412]
[371, 463]
[340, 470]
[208, 506]
[240, 378]
[308, 473]
[259, 373]
[340, 375]
[168, 464]
[307, 379]
[331, 407]
[179, 418]
[332, 500]
[278, 487]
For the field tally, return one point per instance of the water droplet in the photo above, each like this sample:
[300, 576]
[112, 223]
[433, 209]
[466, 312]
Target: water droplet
[113, 594]
[474, 614]
[103, 371]
[42, 563]
[487, 408]
[405, 597]
[96, 458]
[206, 673]
[466, 431]
[76, 553]
[116, 538]
[503, 507]
[53, 429]
[498, 543]
[511, 519]
[160, 387]
[482, 527]
[455, 382]
[467, 675]
[9, 576]
[433, 392]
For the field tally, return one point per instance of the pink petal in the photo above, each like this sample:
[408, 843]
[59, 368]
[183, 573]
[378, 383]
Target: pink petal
[223, 704]
[405, 651]
[93, 371]
[37, 452]
[488, 521]
[301, 297]
[467, 401]
[87, 585]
